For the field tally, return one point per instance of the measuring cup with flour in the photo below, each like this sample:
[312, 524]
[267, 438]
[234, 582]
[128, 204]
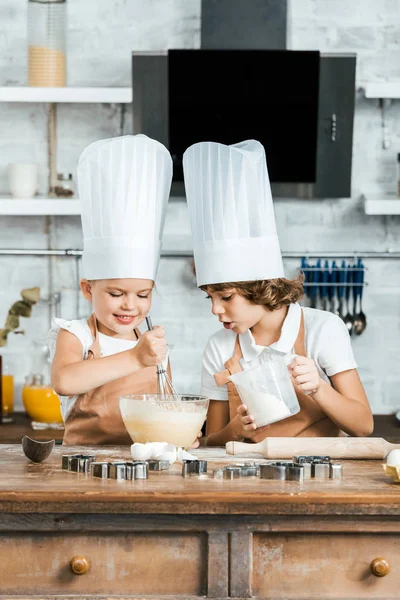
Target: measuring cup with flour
[267, 391]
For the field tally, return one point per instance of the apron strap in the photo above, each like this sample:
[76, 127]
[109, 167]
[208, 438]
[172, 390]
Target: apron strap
[231, 366]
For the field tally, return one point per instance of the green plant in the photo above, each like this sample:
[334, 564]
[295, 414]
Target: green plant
[21, 308]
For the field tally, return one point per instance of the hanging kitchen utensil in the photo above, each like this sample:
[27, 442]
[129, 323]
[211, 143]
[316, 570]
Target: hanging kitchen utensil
[348, 319]
[360, 320]
[324, 287]
[332, 287]
[356, 297]
[314, 277]
[304, 269]
[341, 288]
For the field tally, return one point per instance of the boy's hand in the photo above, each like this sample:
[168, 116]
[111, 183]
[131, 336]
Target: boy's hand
[151, 348]
[305, 374]
[244, 425]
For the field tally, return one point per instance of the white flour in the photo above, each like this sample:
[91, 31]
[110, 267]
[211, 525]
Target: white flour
[265, 408]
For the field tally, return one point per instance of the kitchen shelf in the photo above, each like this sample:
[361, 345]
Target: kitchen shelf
[382, 90]
[389, 205]
[108, 95]
[39, 206]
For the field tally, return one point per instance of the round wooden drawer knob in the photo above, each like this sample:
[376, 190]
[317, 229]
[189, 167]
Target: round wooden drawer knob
[79, 565]
[380, 567]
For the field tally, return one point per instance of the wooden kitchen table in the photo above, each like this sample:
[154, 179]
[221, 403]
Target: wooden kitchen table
[171, 536]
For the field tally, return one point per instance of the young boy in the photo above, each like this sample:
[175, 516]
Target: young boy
[239, 265]
[124, 186]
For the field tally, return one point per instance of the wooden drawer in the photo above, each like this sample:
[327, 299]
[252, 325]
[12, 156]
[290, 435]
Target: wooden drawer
[144, 563]
[324, 566]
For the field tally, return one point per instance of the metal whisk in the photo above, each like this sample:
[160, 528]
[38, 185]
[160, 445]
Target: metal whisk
[164, 384]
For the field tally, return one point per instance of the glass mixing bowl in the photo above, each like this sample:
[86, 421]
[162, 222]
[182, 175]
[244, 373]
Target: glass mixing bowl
[157, 418]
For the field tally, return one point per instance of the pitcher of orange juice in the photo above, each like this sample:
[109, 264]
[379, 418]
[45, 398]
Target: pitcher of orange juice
[38, 397]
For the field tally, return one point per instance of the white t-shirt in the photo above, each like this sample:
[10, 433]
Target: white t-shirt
[80, 328]
[327, 342]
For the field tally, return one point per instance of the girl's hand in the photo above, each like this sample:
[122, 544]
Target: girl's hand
[305, 374]
[244, 425]
[151, 348]
[196, 443]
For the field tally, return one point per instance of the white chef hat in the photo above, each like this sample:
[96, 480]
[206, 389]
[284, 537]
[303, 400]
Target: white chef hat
[231, 213]
[124, 186]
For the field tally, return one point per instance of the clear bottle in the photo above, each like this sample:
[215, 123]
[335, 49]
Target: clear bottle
[47, 26]
[64, 187]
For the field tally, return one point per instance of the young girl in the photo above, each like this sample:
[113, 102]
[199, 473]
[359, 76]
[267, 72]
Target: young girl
[124, 187]
[239, 266]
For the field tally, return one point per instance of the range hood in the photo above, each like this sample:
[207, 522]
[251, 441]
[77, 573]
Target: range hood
[298, 104]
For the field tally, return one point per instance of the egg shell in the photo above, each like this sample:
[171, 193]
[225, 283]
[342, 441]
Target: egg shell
[393, 458]
[140, 451]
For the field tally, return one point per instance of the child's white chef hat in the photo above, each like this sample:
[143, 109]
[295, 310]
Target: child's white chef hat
[124, 185]
[231, 213]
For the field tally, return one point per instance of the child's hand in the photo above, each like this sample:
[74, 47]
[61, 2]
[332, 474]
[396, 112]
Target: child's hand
[151, 349]
[305, 374]
[244, 425]
[196, 443]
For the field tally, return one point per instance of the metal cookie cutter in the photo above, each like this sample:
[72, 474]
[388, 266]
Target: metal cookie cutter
[310, 459]
[295, 472]
[117, 470]
[320, 470]
[232, 472]
[275, 470]
[141, 469]
[99, 469]
[247, 469]
[78, 463]
[336, 471]
[129, 471]
[158, 465]
[194, 467]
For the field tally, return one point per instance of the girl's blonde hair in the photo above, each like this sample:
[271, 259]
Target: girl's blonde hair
[271, 293]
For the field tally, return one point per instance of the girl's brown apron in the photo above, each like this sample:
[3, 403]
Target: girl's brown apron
[95, 418]
[311, 421]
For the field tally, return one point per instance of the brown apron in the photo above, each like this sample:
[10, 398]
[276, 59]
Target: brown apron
[311, 421]
[95, 418]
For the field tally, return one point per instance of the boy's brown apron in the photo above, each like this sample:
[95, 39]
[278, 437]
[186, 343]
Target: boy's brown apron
[311, 421]
[95, 418]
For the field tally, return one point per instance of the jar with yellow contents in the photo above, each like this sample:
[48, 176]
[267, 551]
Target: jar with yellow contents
[6, 392]
[38, 397]
[41, 403]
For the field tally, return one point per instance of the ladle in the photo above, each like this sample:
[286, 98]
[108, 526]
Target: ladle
[348, 319]
[360, 320]
[36, 451]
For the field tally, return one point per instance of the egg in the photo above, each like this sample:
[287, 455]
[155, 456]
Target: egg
[168, 453]
[393, 458]
[183, 455]
[141, 451]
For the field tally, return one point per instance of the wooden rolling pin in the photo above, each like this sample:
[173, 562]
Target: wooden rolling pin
[341, 447]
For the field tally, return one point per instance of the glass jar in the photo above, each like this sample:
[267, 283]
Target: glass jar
[64, 187]
[47, 43]
[41, 403]
[6, 391]
[38, 397]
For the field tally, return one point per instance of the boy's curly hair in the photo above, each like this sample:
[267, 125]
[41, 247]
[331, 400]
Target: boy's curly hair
[271, 293]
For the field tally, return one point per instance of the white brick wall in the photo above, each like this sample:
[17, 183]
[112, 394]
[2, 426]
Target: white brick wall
[102, 34]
